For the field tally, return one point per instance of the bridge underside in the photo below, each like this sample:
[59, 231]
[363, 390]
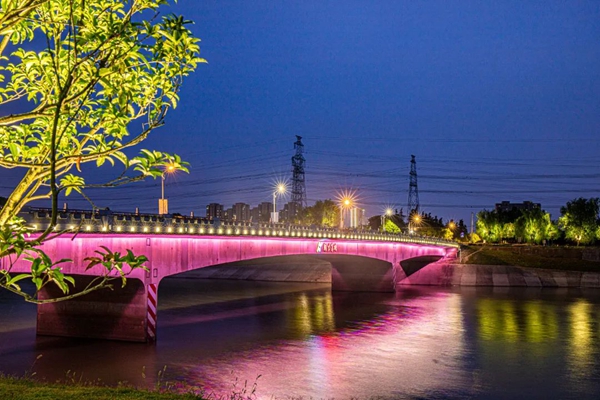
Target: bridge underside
[124, 313]
[120, 314]
[343, 272]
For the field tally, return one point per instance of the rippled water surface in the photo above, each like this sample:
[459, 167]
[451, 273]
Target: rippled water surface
[302, 340]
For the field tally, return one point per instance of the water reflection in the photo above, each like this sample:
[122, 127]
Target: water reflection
[306, 341]
[543, 341]
[581, 337]
[538, 321]
[311, 315]
[354, 345]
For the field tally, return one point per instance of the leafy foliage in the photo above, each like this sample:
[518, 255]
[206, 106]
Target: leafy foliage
[81, 83]
[493, 227]
[579, 220]
[324, 213]
[391, 227]
[448, 234]
[535, 226]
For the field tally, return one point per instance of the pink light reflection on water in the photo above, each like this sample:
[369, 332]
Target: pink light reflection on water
[407, 347]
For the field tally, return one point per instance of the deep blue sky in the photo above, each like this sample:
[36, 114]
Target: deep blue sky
[497, 101]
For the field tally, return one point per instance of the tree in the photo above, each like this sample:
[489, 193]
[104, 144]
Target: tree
[375, 222]
[535, 226]
[397, 218]
[391, 227]
[323, 213]
[427, 225]
[492, 227]
[462, 228]
[448, 233]
[474, 238]
[108, 73]
[579, 220]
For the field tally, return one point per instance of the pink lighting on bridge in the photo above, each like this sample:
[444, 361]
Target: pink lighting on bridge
[357, 265]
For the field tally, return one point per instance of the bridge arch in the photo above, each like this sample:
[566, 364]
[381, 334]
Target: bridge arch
[127, 313]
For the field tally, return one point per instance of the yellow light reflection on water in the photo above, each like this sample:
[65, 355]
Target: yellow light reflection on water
[509, 316]
[580, 338]
[312, 316]
[302, 316]
[534, 322]
[498, 320]
[540, 321]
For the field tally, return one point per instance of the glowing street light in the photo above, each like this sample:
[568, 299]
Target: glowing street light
[414, 220]
[346, 199]
[280, 189]
[163, 204]
[388, 212]
[345, 203]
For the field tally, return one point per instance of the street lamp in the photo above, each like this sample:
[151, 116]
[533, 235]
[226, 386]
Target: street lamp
[280, 189]
[163, 204]
[388, 212]
[345, 203]
[414, 220]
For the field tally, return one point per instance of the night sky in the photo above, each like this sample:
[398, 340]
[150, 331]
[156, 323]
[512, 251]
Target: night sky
[497, 101]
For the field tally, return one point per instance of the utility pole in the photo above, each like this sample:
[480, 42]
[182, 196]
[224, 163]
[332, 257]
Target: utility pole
[471, 223]
[298, 182]
[413, 190]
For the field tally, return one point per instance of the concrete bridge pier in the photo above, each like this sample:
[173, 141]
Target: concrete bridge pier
[123, 314]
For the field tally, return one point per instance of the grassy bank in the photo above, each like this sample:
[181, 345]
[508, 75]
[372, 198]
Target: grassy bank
[26, 389]
[561, 258]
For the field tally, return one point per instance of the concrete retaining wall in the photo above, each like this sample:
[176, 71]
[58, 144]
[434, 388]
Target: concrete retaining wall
[500, 275]
[591, 254]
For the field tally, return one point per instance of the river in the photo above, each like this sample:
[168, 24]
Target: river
[289, 340]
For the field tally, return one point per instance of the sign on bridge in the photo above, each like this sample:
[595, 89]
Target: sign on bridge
[327, 247]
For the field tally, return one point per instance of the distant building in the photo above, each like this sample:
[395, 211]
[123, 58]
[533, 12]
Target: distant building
[228, 214]
[214, 210]
[507, 206]
[241, 212]
[290, 212]
[262, 212]
[357, 217]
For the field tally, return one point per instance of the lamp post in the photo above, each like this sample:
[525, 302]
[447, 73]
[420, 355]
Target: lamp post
[451, 227]
[388, 212]
[163, 204]
[280, 189]
[414, 220]
[345, 203]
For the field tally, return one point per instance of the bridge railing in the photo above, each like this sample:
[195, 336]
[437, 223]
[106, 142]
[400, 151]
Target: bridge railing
[121, 223]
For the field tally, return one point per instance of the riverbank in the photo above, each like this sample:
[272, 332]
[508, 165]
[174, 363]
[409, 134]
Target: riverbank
[501, 276]
[519, 266]
[28, 389]
[583, 259]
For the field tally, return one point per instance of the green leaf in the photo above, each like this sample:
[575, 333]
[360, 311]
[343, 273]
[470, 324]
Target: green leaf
[13, 281]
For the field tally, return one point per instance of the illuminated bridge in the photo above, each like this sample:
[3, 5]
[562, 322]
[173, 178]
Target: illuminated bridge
[360, 261]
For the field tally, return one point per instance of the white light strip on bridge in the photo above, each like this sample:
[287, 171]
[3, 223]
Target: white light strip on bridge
[229, 230]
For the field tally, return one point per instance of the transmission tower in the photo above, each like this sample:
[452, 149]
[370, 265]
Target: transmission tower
[413, 190]
[298, 183]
